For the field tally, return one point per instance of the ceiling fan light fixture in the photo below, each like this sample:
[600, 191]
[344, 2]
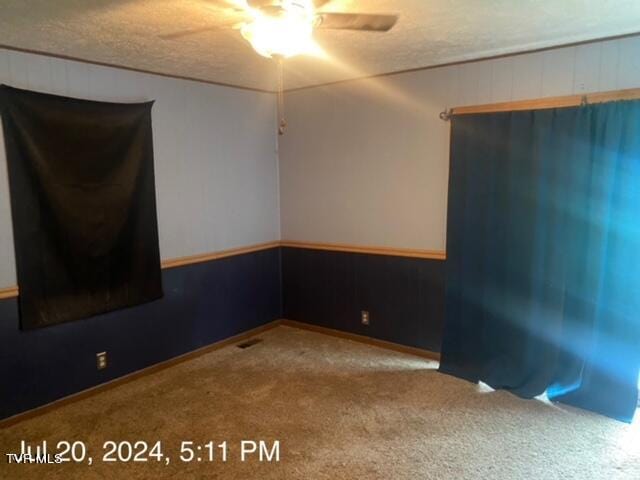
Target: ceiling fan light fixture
[282, 35]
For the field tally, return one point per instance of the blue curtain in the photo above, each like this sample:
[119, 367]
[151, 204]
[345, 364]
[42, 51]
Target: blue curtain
[543, 254]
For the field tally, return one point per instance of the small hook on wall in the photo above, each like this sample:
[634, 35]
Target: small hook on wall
[445, 115]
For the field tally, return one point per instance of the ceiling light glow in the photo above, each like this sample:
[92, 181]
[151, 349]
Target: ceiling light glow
[284, 34]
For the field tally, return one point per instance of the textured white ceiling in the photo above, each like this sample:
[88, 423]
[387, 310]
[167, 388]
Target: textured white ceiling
[429, 32]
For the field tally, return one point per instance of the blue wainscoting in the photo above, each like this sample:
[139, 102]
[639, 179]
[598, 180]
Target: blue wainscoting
[207, 302]
[203, 303]
[404, 296]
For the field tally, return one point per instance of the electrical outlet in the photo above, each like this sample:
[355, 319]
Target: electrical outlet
[101, 360]
[364, 317]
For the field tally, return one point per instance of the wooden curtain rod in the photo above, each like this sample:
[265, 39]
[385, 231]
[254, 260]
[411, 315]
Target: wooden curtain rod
[549, 102]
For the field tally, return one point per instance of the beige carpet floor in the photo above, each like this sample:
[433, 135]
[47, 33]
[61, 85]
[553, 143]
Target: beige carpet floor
[341, 410]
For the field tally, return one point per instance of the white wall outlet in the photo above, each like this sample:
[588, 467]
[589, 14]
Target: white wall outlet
[101, 360]
[364, 317]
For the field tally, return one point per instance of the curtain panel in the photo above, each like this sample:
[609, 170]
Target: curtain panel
[543, 254]
[83, 204]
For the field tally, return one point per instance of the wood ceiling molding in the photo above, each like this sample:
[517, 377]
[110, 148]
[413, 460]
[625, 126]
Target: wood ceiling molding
[132, 69]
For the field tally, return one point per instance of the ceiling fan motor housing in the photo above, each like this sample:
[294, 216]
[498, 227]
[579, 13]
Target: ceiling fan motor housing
[277, 7]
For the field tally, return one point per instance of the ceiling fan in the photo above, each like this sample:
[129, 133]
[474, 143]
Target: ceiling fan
[282, 29]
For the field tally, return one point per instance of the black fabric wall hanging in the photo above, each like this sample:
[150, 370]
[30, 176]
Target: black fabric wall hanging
[543, 254]
[83, 204]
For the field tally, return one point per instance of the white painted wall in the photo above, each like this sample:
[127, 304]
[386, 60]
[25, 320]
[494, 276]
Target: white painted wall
[363, 162]
[216, 162]
[366, 162]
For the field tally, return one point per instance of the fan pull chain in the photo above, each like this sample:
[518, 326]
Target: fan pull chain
[282, 123]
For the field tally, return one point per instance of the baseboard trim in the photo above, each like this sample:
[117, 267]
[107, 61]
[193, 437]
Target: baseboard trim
[116, 382]
[419, 352]
[103, 387]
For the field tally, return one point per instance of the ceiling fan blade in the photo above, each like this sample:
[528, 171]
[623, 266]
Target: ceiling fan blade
[193, 31]
[357, 21]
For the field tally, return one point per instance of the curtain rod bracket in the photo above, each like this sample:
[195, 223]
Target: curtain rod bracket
[584, 101]
[446, 114]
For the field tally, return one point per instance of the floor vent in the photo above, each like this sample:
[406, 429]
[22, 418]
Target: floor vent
[249, 343]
